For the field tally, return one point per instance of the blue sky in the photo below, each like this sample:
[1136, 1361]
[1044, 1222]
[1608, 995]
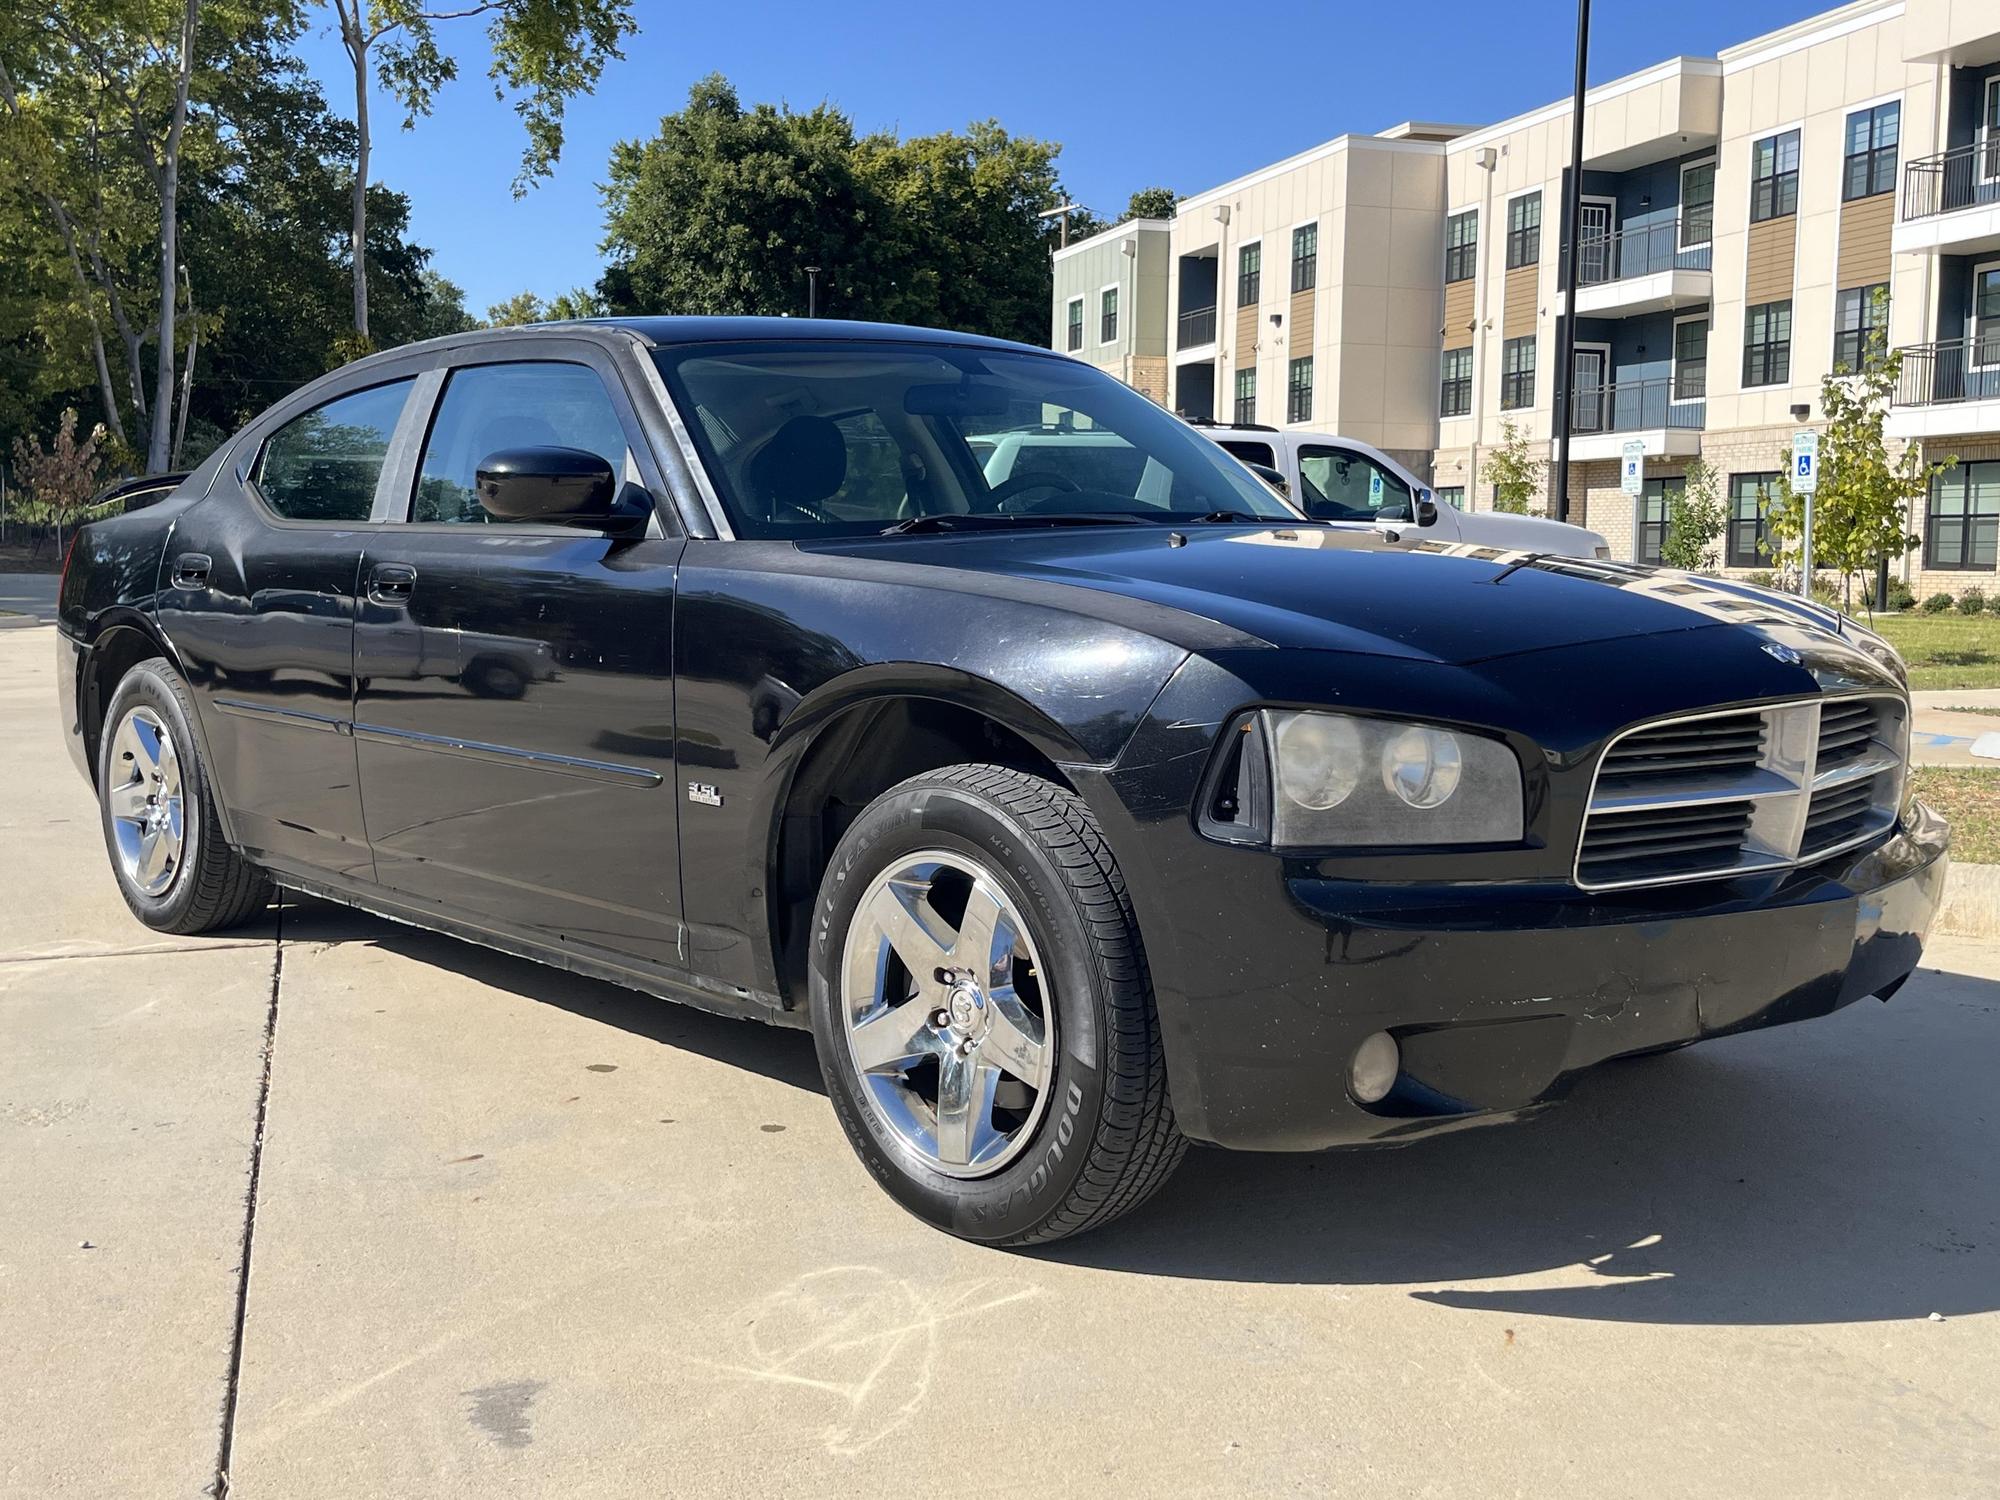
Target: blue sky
[1138, 93]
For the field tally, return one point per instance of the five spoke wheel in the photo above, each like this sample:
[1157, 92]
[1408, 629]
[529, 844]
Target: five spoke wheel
[147, 816]
[947, 1021]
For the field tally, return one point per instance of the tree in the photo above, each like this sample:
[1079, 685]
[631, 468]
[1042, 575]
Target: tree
[1861, 510]
[724, 208]
[1152, 203]
[545, 51]
[526, 307]
[1516, 478]
[60, 479]
[1695, 519]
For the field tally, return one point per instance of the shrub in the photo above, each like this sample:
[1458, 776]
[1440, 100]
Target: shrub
[1937, 604]
[1993, 604]
[1971, 602]
[1762, 580]
[1901, 597]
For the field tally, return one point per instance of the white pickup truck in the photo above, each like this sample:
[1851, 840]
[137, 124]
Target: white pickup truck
[1348, 483]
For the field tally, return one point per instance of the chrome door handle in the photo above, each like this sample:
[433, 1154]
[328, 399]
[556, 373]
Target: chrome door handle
[191, 570]
[392, 583]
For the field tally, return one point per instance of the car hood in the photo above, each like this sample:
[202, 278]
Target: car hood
[1316, 588]
[1499, 529]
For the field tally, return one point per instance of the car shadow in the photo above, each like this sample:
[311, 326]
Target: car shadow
[1842, 1170]
[780, 1053]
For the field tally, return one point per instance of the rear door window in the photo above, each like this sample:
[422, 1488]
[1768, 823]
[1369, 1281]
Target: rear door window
[325, 464]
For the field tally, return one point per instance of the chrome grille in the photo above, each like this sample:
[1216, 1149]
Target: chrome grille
[1742, 790]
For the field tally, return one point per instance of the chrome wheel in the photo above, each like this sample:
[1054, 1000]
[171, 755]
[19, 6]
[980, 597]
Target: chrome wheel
[143, 792]
[948, 1025]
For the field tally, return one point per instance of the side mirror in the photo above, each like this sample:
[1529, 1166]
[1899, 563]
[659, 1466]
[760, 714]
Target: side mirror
[557, 485]
[1269, 475]
[1427, 508]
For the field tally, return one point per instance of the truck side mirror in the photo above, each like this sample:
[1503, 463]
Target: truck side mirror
[1427, 510]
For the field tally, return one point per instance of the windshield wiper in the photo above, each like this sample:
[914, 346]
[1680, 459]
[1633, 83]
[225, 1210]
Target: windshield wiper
[1006, 520]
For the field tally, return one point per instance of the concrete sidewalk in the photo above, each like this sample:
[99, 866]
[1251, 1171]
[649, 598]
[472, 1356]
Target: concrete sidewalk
[504, 1231]
[1942, 737]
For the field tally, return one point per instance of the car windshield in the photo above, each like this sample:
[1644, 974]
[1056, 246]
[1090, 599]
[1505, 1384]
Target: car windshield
[851, 439]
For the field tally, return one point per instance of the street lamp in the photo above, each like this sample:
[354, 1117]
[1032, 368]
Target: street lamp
[1572, 211]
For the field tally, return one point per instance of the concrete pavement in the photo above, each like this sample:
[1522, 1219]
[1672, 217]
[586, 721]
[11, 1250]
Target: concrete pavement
[518, 1233]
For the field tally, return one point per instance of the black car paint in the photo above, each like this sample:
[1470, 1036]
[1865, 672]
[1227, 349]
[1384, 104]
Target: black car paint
[555, 821]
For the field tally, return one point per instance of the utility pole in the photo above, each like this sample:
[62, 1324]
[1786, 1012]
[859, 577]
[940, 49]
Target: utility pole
[1572, 210]
[812, 291]
[1061, 211]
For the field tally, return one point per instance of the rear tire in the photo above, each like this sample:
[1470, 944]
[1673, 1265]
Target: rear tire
[173, 866]
[1016, 1091]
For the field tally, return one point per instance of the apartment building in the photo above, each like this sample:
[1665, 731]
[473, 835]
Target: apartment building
[1749, 222]
[1111, 303]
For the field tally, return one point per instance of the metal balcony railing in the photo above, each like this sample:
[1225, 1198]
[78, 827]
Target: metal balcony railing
[1197, 326]
[1956, 370]
[1632, 406]
[1638, 252]
[1963, 177]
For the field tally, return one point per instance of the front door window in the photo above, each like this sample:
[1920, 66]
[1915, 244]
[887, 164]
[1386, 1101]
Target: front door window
[1339, 485]
[1594, 238]
[1587, 409]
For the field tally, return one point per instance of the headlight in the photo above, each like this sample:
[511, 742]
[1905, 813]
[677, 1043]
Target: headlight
[1304, 780]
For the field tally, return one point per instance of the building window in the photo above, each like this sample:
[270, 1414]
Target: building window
[1455, 395]
[1305, 257]
[1246, 397]
[1655, 500]
[1107, 316]
[1524, 230]
[1749, 501]
[1767, 344]
[1691, 359]
[1871, 151]
[1860, 327]
[1075, 325]
[1697, 204]
[1962, 524]
[1774, 177]
[1986, 314]
[1517, 373]
[1249, 274]
[1451, 494]
[1461, 246]
[1299, 391]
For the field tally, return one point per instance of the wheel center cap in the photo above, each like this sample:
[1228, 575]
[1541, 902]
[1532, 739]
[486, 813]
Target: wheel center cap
[966, 1006]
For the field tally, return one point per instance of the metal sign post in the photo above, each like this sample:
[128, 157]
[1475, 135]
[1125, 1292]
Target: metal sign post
[1805, 481]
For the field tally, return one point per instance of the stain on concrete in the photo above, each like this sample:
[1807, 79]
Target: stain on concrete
[459, 1161]
[602, 1068]
[501, 1411]
[772, 1129]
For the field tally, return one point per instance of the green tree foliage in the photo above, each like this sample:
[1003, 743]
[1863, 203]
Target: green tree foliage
[545, 52]
[723, 209]
[1152, 203]
[1695, 519]
[526, 307]
[1861, 512]
[1516, 478]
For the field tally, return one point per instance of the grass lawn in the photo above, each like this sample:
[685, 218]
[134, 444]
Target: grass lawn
[1946, 651]
[1969, 799]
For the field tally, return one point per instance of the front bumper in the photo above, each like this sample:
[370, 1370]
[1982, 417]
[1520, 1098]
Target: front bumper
[1498, 995]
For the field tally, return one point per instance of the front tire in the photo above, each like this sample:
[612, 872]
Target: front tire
[983, 1013]
[173, 866]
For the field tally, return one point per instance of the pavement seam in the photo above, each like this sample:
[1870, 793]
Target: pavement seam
[147, 952]
[220, 1488]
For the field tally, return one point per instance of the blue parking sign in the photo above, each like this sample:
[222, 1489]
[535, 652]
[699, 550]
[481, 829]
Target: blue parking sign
[1805, 462]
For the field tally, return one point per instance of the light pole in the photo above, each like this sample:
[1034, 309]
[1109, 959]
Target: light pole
[812, 291]
[1572, 210]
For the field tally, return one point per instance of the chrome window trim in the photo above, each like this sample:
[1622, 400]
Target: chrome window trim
[1797, 790]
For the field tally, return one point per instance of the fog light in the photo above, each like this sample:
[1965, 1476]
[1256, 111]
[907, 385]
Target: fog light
[1373, 1072]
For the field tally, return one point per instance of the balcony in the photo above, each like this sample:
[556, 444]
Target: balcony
[1951, 202]
[1642, 270]
[1604, 418]
[1197, 327]
[1947, 389]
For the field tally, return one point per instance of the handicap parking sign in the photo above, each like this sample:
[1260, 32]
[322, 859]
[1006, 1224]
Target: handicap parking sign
[1375, 488]
[1632, 477]
[1805, 462]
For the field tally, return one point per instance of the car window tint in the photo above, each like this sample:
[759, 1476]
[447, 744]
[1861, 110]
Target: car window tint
[873, 489]
[323, 466]
[487, 408]
[1344, 486]
[1256, 453]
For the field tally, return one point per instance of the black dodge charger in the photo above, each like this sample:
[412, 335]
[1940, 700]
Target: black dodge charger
[947, 697]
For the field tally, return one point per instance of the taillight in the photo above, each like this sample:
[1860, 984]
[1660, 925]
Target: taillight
[62, 584]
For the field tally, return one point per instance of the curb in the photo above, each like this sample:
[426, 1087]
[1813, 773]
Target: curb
[1971, 905]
